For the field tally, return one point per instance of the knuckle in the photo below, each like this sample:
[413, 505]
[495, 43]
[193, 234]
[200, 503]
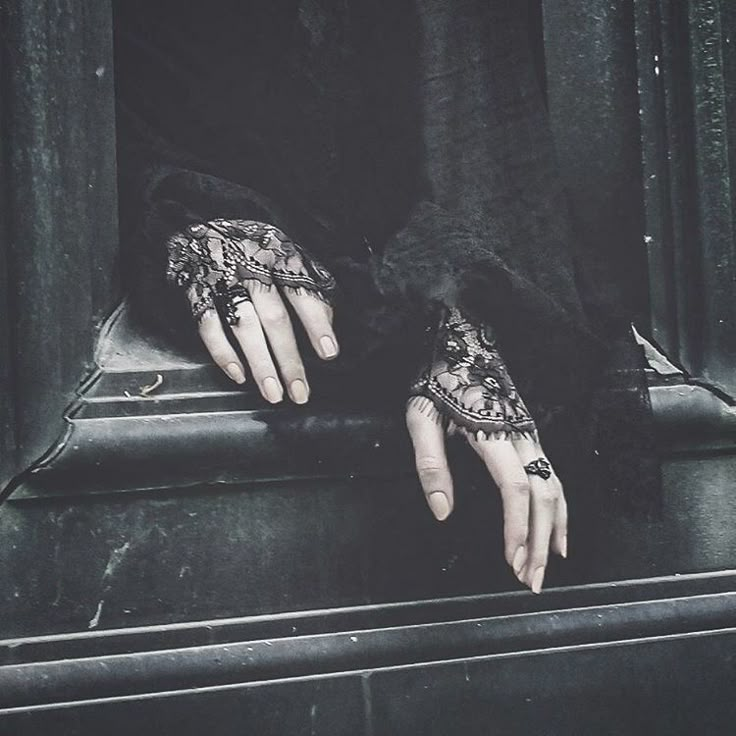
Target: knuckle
[275, 318]
[547, 497]
[262, 368]
[426, 475]
[430, 464]
[291, 368]
[432, 480]
[538, 560]
[517, 487]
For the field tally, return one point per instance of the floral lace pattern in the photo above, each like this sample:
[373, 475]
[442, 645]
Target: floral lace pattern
[213, 260]
[467, 385]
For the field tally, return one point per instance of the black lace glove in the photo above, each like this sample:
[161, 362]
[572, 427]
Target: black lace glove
[466, 385]
[220, 262]
[242, 272]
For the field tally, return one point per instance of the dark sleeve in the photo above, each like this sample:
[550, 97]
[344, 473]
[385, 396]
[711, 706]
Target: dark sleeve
[491, 233]
[186, 151]
[441, 257]
[161, 192]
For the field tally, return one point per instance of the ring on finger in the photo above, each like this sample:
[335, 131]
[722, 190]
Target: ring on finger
[540, 467]
[230, 298]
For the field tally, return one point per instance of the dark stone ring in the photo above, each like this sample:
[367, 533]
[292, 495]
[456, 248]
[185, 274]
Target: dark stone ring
[540, 467]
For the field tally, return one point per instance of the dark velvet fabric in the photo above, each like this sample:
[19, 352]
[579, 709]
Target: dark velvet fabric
[404, 143]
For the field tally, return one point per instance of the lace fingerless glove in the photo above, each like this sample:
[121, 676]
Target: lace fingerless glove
[466, 385]
[217, 262]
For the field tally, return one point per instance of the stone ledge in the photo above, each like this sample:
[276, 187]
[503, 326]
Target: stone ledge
[103, 665]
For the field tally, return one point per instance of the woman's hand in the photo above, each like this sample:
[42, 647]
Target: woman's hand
[242, 272]
[466, 389]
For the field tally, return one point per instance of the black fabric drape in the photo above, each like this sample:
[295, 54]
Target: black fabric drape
[403, 142]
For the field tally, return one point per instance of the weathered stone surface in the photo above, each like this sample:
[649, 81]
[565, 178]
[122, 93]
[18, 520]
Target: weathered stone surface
[59, 203]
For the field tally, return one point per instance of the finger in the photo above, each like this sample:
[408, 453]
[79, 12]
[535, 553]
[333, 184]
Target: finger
[276, 323]
[530, 450]
[506, 469]
[545, 513]
[249, 334]
[559, 533]
[544, 498]
[222, 352]
[316, 316]
[428, 440]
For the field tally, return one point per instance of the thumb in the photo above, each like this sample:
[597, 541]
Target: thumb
[433, 470]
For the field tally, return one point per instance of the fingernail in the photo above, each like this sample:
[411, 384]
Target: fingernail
[519, 560]
[563, 552]
[439, 504]
[329, 349]
[272, 390]
[299, 392]
[235, 372]
[537, 581]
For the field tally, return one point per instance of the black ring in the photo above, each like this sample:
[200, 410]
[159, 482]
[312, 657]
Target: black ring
[228, 298]
[238, 294]
[540, 467]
